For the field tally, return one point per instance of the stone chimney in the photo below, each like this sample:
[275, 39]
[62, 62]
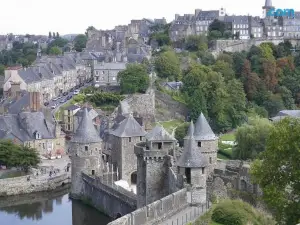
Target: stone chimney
[197, 11]
[176, 16]
[35, 102]
[15, 89]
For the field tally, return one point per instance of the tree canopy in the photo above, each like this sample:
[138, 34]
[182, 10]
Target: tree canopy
[134, 79]
[167, 65]
[80, 42]
[277, 171]
[55, 51]
[13, 155]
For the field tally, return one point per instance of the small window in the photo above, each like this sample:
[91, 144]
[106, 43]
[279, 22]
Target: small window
[188, 175]
[210, 160]
[93, 172]
[159, 145]
[86, 148]
[130, 139]
[203, 170]
[141, 138]
[199, 143]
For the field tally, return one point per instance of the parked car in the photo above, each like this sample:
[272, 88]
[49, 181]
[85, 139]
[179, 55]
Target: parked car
[76, 92]
[69, 97]
[63, 101]
[54, 99]
[46, 103]
[53, 106]
[65, 93]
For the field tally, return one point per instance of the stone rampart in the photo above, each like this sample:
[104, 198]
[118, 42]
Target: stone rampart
[20, 185]
[112, 200]
[156, 211]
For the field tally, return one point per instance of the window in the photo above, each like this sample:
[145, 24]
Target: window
[44, 145]
[113, 78]
[141, 138]
[199, 143]
[159, 145]
[203, 170]
[188, 175]
[93, 172]
[86, 148]
[130, 139]
[210, 160]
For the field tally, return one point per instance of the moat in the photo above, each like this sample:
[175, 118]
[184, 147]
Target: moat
[52, 208]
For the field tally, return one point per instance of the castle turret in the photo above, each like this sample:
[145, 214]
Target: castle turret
[86, 151]
[267, 7]
[206, 141]
[153, 160]
[124, 136]
[192, 164]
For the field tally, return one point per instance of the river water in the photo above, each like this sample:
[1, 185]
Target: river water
[52, 208]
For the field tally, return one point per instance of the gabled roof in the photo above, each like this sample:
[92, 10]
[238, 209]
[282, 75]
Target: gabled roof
[129, 127]
[86, 132]
[158, 133]
[192, 156]
[202, 130]
[92, 113]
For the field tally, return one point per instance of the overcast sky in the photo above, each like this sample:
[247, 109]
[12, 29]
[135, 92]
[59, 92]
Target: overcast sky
[74, 16]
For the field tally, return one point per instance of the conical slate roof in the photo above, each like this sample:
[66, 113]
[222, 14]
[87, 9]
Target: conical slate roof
[268, 4]
[190, 131]
[158, 133]
[191, 156]
[203, 131]
[129, 127]
[86, 132]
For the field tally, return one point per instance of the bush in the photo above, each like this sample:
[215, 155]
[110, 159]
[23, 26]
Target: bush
[104, 98]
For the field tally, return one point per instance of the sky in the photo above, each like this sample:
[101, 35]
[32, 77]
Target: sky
[74, 16]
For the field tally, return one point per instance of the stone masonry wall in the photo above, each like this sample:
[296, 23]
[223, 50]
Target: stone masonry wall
[20, 185]
[155, 211]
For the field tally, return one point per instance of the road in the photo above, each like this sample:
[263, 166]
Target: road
[64, 99]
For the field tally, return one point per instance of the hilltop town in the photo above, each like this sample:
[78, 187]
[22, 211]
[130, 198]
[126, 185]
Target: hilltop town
[156, 122]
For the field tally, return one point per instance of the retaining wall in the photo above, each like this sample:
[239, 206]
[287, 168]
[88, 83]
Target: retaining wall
[156, 211]
[20, 185]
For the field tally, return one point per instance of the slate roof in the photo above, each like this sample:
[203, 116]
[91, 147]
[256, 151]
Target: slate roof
[92, 113]
[191, 131]
[72, 107]
[20, 104]
[202, 130]
[158, 133]
[24, 125]
[111, 66]
[129, 127]
[192, 156]
[124, 108]
[174, 85]
[268, 3]
[86, 132]
[292, 113]
[208, 15]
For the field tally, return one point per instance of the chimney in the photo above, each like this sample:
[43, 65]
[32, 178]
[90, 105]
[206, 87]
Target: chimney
[15, 88]
[176, 16]
[35, 101]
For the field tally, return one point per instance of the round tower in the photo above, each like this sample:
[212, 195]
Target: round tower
[153, 158]
[206, 142]
[86, 152]
[193, 166]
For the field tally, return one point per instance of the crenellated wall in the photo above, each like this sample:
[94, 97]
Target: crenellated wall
[156, 211]
[109, 198]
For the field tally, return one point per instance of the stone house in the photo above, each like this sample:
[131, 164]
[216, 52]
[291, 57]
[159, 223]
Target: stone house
[172, 86]
[35, 130]
[204, 18]
[286, 113]
[68, 118]
[272, 28]
[106, 74]
[291, 26]
[239, 24]
[256, 27]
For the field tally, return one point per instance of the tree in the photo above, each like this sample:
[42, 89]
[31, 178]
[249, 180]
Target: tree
[90, 28]
[238, 62]
[161, 38]
[55, 51]
[196, 43]
[206, 58]
[270, 74]
[227, 34]
[167, 65]
[226, 58]
[225, 69]
[217, 25]
[197, 104]
[50, 34]
[80, 42]
[266, 51]
[53, 35]
[277, 171]
[251, 138]
[214, 35]
[134, 79]
[57, 34]
[13, 155]
[181, 132]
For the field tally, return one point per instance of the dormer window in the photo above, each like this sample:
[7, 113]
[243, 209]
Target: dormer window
[38, 135]
[86, 148]
[199, 143]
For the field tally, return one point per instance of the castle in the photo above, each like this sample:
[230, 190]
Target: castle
[144, 179]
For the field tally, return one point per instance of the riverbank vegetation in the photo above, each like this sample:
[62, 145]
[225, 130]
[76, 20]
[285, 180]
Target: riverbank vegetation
[13, 155]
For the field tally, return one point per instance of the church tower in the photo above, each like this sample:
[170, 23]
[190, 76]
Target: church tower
[86, 152]
[206, 142]
[153, 159]
[192, 165]
[267, 7]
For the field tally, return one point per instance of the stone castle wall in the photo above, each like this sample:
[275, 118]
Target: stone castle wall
[112, 200]
[20, 185]
[156, 211]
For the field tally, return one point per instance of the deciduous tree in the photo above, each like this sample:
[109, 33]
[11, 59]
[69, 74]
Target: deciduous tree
[167, 65]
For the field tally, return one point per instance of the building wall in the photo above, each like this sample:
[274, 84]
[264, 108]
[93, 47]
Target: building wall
[84, 161]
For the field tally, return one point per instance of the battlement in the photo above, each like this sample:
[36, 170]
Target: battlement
[141, 149]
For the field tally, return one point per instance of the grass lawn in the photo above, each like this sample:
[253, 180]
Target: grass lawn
[228, 137]
[170, 125]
